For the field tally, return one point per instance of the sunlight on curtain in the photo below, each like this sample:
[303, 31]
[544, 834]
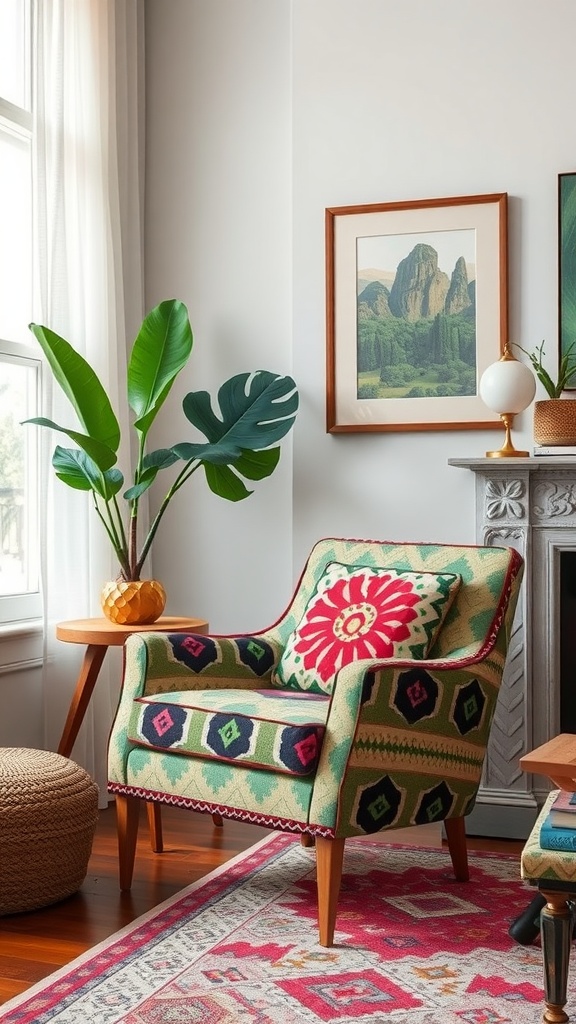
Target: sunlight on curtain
[88, 288]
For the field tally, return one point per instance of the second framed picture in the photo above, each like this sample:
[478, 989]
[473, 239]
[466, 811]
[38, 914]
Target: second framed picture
[416, 309]
[567, 266]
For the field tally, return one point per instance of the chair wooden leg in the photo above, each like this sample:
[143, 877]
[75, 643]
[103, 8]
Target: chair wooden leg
[456, 836]
[127, 817]
[154, 813]
[329, 859]
[218, 819]
[307, 840]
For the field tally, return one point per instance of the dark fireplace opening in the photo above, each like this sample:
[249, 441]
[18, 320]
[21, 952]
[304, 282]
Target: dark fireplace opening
[568, 641]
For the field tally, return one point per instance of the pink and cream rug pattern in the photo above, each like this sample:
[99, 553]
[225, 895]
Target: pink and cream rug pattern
[240, 947]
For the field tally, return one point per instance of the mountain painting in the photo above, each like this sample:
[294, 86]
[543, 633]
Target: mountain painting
[416, 315]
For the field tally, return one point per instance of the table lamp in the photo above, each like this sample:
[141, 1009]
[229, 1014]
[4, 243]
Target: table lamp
[507, 387]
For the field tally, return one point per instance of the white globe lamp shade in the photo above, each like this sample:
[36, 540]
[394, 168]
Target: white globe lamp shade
[507, 387]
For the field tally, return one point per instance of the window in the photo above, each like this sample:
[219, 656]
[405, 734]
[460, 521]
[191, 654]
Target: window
[19, 365]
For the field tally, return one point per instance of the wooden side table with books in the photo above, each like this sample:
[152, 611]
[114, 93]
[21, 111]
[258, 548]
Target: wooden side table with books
[553, 872]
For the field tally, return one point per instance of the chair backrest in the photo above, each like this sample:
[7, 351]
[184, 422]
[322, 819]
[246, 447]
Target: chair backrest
[487, 573]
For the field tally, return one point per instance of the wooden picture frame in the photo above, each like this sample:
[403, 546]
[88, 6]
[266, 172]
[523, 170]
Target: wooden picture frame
[567, 265]
[416, 310]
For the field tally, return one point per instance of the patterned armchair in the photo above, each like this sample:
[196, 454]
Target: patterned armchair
[366, 706]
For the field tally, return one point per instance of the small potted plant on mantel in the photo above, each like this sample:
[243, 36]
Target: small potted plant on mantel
[555, 416]
[255, 411]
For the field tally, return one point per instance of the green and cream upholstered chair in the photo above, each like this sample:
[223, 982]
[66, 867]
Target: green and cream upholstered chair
[366, 706]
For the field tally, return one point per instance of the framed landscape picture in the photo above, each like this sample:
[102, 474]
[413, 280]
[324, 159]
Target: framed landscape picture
[416, 310]
[566, 264]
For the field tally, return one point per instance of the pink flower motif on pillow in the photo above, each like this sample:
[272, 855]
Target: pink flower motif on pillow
[358, 612]
[359, 617]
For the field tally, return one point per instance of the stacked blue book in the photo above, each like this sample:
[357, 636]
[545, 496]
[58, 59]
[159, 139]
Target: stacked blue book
[558, 830]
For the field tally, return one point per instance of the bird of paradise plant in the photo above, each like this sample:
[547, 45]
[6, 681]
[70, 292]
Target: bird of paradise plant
[254, 411]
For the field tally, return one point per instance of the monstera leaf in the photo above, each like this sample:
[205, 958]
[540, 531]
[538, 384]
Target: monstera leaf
[255, 411]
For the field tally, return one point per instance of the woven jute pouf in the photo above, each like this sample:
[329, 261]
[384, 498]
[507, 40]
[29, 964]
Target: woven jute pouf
[48, 813]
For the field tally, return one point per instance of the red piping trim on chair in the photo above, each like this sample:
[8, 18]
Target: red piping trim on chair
[267, 820]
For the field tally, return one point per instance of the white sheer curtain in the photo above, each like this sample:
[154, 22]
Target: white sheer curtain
[88, 184]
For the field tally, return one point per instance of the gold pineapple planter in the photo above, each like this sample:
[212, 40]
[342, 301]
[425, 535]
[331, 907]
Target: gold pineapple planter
[133, 603]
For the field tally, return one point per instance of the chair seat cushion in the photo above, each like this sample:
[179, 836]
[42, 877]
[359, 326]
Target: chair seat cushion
[260, 728]
[360, 612]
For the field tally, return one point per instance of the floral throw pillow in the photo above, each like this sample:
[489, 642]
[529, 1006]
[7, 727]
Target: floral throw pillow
[359, 612]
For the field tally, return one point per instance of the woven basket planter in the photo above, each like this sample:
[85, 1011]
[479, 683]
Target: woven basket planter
[555, 421]
[48, 814]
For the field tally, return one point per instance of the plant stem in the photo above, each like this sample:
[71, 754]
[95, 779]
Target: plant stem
[122, 531]
[133, 556]
[181, 479]
[113, 537]
[135, 562]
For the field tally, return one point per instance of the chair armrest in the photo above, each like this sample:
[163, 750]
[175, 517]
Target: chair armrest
[164, 663]
[397, 729]
[169, 663]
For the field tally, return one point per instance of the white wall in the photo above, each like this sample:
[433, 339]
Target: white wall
[262, 114]
[218, 236]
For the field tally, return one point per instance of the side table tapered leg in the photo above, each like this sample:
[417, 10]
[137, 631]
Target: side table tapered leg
[89, 670]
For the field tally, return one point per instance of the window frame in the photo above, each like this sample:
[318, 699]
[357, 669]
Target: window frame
[22, 607]
[21, 614]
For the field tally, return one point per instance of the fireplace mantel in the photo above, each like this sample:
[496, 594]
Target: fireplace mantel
[528, 504]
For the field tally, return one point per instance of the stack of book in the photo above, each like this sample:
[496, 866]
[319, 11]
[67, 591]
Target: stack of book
[558, 831]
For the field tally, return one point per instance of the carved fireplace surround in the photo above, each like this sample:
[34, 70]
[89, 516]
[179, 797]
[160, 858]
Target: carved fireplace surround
[528, 504]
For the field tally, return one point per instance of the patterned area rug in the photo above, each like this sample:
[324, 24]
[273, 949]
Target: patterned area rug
[239, 947]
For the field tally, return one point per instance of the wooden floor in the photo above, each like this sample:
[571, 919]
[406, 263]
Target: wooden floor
[35, 944]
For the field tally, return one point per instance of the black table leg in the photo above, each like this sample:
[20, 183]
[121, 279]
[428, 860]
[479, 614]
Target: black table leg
[556, 936]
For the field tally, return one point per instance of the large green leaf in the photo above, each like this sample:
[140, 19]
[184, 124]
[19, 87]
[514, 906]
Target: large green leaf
[77, 470]
[103, 456]
[160, 351]
[256, 410]
[151, 466]
[81, 386]
[145, 481]
[222, 453]
[225, 480]
[257, 465]
[160, 458]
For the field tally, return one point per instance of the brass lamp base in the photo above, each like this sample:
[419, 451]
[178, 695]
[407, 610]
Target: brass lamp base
[507, 451]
